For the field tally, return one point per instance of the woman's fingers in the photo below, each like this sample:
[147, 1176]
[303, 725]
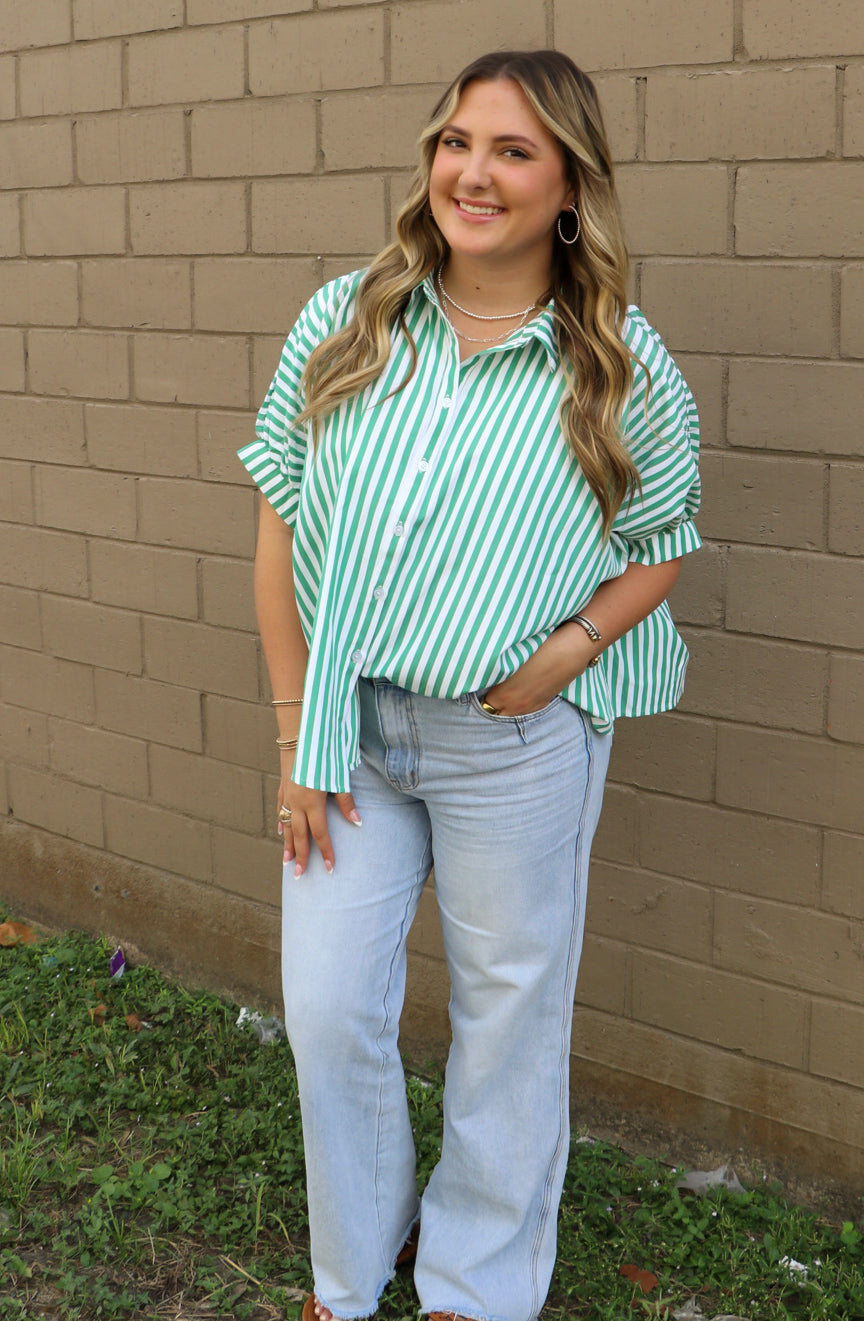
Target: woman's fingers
[348, 809]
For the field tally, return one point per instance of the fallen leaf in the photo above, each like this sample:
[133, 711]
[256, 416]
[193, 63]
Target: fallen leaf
[98, 1013]
[645, 1279]
[133, 1022]
[16, 933]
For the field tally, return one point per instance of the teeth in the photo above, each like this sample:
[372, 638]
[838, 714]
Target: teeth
[480, 210]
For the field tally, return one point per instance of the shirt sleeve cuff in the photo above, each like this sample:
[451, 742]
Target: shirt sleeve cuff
[269, 477]
[668, 544]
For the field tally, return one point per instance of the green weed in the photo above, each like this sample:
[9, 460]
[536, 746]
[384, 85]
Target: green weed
[151, 1164]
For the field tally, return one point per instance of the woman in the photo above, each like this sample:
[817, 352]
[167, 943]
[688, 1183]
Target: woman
[484, 468]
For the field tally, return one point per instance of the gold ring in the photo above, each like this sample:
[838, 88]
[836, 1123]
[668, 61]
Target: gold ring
[285, 814]
[487, 706]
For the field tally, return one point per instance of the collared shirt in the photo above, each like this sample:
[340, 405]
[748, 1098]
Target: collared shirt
[442, 531]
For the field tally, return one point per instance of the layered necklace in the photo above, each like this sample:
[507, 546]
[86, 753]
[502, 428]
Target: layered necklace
[521, 317]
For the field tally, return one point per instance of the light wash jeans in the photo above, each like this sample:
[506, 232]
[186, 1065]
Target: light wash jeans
[507, 808]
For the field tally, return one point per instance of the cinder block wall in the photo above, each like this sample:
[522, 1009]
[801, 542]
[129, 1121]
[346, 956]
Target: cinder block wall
[176, 176]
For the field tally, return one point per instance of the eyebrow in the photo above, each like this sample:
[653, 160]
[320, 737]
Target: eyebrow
[501, 137]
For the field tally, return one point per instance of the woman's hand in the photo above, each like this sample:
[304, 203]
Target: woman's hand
[554, 665]
[308, 823]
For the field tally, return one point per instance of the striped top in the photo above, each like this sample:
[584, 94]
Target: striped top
[443, 531]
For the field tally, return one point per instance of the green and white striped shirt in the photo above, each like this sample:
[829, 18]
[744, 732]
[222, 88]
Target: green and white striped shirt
[442, 531]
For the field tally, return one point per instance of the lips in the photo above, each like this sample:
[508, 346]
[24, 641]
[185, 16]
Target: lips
[479, 209]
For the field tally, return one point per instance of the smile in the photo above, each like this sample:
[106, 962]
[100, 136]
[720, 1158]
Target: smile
[474, 209]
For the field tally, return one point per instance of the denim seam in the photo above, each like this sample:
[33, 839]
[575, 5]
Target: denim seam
[419, 878]
[569, 991]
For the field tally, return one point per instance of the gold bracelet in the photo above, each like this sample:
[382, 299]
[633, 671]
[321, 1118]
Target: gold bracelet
[287, 701]
[285, 744]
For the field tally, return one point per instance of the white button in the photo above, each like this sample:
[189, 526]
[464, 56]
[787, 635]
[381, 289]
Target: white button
[378, 593]
[398, 530]
[423, 465]
[446, 401]
[356, 657]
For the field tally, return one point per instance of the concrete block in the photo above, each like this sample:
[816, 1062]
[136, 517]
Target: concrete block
[800, 210]
[621, 115]
[220, 435]
[39, 293]
[317, 52]
[24, 736]
[735, 307]
[802, 406]
[8, 98]
[196, 516]
[82, 500]
[137, 292]
[247, 865]
[91, 756]
[699, 596]
[837, 1041]
[853, 111]
[773, 684]
[93, 363]
[36, 155]
[13, 372]
[174, 218]
[74, 221]
[792, 594]
[55, 804]
[729, 850]
[92, 634]
[206, 789]
[811, 780]
[669, 753]
[852, 313]
[53, 429]
[649, 912]
[225, 11]
[44, 561]
[845, 531]
[602, 981]
[241, 732]
[842, 869]
[378, 128]
[775, 30]
[253, 138]
[45, 24]
[43, 683]
[287, 215]
[206, 659]
[774, 501]
[740, 114]
[133, 147]
[16, 490]
[145, 708]
[167, 840]
[192, 369]
[788, 946]
[266, 352]
[634, 35]
[10, 225]
[722, 1009]
[20, 625]
[160, 582]
[431, 42]
[70, 80]
[704, 374]
[846, 700]
[674, 210]
[187, 66]
[132, 438]
[615, 840]
[253, 293]
[105, 18]
[226, 589]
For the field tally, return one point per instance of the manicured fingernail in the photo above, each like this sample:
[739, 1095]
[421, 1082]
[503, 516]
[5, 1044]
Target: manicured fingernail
[279, 830]
[354, 817]
[286, 857]
[298, 870]
[328, 865]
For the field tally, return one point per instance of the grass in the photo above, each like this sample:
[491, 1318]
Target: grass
[151, 1166]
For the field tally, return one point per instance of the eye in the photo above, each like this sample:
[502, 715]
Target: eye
[517, 153]
[451, 142]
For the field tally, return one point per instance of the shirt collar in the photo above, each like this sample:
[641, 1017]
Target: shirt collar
[541, 328]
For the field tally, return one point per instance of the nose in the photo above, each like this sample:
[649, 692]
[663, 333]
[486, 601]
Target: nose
[475, 171]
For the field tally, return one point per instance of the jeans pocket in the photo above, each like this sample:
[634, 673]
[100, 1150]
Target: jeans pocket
[475, 701]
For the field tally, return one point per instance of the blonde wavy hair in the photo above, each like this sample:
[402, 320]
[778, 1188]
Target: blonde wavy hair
[588, 278]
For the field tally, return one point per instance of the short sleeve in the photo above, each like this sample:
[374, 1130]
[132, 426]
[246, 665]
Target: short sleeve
[660, 428]
[277, 456]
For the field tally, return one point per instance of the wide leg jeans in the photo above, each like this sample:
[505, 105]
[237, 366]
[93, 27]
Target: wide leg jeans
[507, 808]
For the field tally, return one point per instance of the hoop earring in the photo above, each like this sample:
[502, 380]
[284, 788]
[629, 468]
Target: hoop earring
[575, 237]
